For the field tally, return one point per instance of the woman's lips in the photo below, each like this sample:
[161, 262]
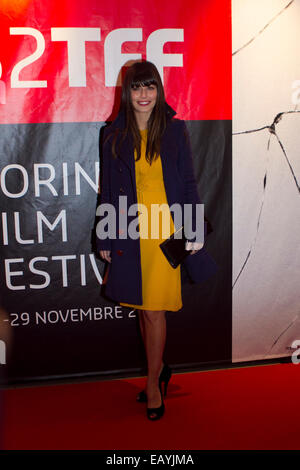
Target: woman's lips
[143, 103]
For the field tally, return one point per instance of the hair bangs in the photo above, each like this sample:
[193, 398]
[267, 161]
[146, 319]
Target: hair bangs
[140, 80]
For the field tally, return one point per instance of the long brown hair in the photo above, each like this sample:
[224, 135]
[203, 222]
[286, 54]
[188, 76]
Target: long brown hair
[143, 73]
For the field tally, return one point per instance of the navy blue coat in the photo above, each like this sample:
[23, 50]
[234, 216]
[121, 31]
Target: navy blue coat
[124, 280]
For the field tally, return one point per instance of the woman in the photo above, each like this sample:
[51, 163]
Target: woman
[147, 158]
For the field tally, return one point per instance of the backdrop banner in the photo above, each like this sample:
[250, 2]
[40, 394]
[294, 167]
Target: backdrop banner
[61, 71]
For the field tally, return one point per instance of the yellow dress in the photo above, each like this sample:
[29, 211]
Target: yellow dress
[161, 284]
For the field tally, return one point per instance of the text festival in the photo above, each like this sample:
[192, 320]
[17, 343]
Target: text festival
[44, 182]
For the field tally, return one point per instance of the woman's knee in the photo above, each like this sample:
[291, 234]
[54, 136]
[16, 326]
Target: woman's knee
[153, 316]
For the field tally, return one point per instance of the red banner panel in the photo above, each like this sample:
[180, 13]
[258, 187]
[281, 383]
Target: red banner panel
[67, 64]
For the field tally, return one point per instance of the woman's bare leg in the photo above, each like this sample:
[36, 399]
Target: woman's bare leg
[155, 338]
[142, 326]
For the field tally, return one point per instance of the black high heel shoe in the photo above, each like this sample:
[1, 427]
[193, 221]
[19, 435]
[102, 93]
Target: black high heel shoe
[157, 412]
[164, 377]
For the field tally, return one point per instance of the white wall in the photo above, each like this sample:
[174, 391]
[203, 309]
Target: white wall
[266, 218]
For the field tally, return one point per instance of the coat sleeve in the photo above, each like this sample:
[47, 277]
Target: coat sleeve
[191, 195]
[105, 189]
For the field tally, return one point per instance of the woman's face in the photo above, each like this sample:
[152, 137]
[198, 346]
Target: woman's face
[144, 98]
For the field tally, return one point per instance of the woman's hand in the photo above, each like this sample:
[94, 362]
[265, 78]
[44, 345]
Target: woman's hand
[193, 246]
[105, 254]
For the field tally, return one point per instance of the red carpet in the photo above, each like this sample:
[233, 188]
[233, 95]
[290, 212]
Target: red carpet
[245, 408]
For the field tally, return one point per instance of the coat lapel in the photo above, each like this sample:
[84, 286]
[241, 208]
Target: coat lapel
[127, 154]
[167, 153]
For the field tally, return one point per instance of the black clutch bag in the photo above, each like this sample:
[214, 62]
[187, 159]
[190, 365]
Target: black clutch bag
[174, 248]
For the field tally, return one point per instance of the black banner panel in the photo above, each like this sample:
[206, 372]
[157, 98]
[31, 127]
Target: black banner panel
[51, 275]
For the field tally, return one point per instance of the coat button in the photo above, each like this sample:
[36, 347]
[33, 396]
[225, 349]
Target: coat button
[120, 252]
[122, 190]
[120, 169]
